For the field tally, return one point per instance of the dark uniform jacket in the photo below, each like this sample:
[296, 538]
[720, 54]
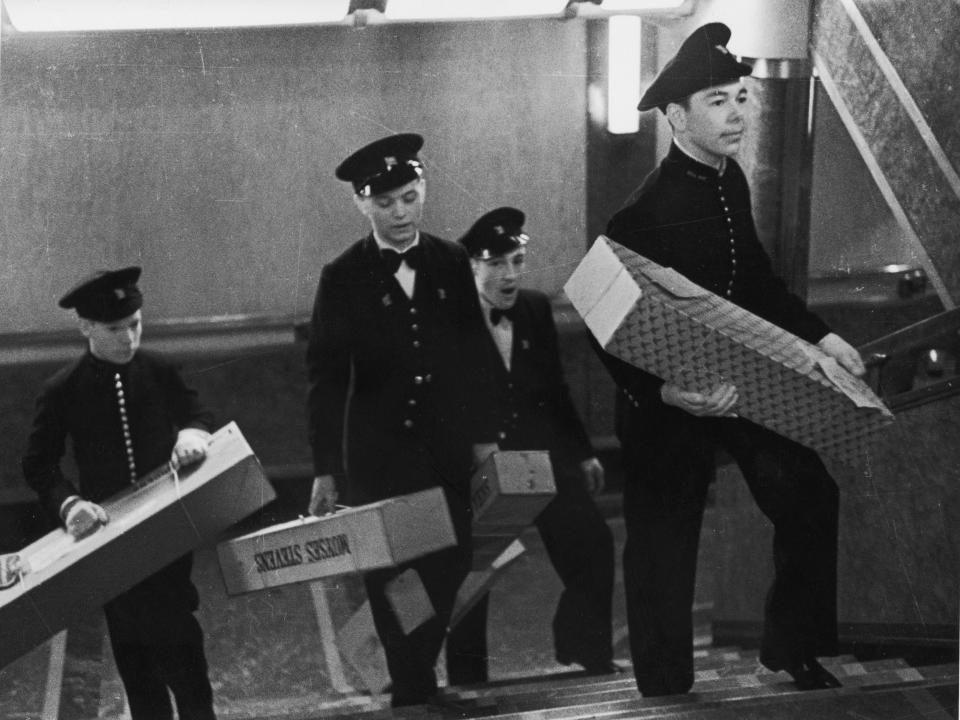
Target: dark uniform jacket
[80, 402]
[535, 409]
[396, 393]
[687, 216]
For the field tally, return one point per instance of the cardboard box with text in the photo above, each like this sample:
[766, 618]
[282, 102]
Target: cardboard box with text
[377, 535]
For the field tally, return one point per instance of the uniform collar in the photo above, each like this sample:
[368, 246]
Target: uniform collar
[691, 167]
[105, 366]
[383, 245]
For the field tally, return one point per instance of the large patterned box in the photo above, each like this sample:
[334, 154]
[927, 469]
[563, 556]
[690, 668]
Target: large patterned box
[164, 516]
[509, 490]
[656, 319]
[377, 535]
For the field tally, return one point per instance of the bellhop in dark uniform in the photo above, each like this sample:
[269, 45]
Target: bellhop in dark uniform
[693, 214]
[535, 412]
[126, 412]
[396, 400]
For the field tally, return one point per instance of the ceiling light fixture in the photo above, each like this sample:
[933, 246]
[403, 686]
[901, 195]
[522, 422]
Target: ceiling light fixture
[87, 15]
[609, 8]
[438, 10]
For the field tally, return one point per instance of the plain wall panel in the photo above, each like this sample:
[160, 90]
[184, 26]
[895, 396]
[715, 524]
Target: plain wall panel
[208, 157]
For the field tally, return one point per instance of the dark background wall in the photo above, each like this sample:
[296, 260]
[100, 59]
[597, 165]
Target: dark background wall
[208, 157]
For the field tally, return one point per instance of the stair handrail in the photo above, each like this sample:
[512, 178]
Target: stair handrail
[876, 354]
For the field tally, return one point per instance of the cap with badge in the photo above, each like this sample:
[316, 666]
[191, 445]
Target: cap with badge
[383, 165]
[702, 61]
[106, 295]
[495, 233]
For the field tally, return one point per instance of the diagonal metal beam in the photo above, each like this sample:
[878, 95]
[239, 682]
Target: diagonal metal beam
[880, 178]
[903, 94]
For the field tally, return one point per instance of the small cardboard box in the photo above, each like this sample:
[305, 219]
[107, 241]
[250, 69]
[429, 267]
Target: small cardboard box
[151, 524]
[659, 321]
[381, 534]
[509, 490]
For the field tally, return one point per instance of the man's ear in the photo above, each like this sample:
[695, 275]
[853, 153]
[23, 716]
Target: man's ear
[676, 116]
[85, 326]
[360, 202]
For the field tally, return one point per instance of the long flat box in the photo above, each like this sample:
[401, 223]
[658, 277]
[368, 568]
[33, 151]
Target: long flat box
[478, 582]
[509, 490]
[377, 535]
[488, 543]
[151, 524]
[656, 319]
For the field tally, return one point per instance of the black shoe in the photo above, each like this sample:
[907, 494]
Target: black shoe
[811, 675]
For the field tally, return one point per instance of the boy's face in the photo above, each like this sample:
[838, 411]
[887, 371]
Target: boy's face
[498, 278]
[395, 215]
[712, 124]
[115, 341]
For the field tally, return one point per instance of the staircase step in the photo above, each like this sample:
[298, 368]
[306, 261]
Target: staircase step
[612, 692]
[578, 682]
[752, 665]
[573, 699]
[703, 660]
[928, 699]
[702, 701]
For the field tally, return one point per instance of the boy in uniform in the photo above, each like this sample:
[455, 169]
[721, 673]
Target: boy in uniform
[693, 214]
[126, 412]
[535, 412]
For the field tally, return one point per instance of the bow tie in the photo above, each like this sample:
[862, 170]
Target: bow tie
[496, 314]
[392, 259]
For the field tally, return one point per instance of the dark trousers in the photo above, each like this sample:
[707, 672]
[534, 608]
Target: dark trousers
[580, 547]
[411, 658]
[158, 646]
[667, 471]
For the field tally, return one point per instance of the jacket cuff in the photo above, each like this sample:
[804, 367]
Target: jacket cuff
[66, 505]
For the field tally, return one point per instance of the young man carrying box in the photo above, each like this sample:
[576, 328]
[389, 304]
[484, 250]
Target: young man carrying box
[535, 412]
[396, 401]
[126, 412]
[693, 214]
